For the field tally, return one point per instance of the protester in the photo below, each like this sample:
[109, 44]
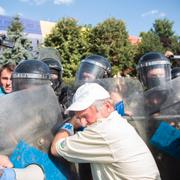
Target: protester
[109, 142]
[5, 78]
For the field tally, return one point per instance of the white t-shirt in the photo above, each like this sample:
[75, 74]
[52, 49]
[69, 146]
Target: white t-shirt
[113, 148]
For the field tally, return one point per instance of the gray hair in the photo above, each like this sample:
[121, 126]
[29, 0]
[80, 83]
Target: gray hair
[99, 103]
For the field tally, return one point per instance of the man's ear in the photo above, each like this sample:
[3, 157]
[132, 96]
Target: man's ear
[109, 106]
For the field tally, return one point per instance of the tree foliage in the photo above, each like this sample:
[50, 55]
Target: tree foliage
[164, 29]
[149, 42]
[22, 46]
[66, 37]
[110, 39]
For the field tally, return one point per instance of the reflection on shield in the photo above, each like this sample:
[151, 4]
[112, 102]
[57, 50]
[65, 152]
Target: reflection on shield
[31, 115]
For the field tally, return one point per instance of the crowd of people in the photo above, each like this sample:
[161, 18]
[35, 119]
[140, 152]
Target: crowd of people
[95, 136]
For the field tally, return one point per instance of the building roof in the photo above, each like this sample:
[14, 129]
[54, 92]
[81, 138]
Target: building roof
[134, 39]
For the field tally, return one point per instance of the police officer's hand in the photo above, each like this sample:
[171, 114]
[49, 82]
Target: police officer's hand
[5, 162]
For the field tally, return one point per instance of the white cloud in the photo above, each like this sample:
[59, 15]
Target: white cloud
[20, 14]
[36, 2]
[154, 12]
[2, 11]
[66, 2]
[162, 14]
[39, 2]
[149, 13]
[24, 0]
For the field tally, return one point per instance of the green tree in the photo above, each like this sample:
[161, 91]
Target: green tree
[163, 29]
[159, 38]
[67, 38]
[175, 45]
[110, 39]
[22, 46]
[149, 42]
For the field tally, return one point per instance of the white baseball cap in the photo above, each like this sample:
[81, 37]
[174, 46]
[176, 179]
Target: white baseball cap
[86, 95]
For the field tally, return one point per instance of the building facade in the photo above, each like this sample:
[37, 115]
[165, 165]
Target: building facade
[34, 30]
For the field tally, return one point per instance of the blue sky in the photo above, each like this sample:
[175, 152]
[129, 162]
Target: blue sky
[138, 15]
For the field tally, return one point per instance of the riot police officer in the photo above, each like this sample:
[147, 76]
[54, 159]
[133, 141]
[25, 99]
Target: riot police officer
[153, 69]
[56, 71]
[61, 90]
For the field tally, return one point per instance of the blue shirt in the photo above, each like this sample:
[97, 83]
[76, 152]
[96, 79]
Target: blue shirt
[2, 93]
[119, 107]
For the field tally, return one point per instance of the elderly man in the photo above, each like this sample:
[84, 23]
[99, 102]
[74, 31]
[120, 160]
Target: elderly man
[109, 143]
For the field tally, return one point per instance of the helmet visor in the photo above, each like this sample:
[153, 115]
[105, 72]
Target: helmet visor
[89, 71]
[155, 75]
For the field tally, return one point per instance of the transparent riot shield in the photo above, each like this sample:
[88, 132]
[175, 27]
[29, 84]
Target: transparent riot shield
[162, 104]
[130, 91]
[31, 115]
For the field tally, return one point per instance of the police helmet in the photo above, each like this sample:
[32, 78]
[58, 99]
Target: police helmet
[154, 69]
[56, 70]
[30, 73]
[94, 67]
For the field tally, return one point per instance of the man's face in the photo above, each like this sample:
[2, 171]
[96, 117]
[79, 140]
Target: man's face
[87, 116]
[6, 81]
[157, 72]
[88, 76]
